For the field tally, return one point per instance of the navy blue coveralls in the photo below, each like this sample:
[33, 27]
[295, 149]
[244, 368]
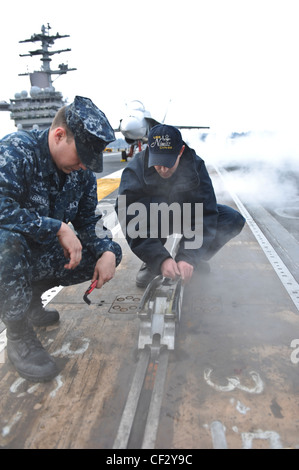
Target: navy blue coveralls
[35, 197]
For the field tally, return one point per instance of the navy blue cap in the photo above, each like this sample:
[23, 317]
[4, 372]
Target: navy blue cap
[164, 143]
[92, 131]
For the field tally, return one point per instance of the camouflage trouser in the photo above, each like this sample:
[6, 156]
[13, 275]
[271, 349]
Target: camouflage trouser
[24, 265]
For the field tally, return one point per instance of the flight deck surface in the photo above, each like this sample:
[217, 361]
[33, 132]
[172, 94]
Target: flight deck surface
[231, 382]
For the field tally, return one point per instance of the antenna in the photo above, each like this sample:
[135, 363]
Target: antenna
[46, 42]
[163, 120]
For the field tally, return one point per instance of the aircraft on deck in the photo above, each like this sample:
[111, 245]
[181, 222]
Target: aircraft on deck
[135, 126]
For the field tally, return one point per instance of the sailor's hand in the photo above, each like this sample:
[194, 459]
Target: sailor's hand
[169, 269]
[186, 271]
[104, 270]
[71, 246]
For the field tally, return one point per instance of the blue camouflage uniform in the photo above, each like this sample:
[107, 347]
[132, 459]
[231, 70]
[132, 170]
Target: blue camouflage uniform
[35, 197]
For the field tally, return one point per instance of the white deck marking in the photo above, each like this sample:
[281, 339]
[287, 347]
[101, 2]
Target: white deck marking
[288, 281]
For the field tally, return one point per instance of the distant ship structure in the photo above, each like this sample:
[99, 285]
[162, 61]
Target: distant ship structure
[38, 109]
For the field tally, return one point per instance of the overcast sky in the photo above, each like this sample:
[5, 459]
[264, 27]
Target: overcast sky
[228, 64]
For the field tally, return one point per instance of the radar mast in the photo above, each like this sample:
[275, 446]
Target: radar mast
[38, 110]
[45, 75]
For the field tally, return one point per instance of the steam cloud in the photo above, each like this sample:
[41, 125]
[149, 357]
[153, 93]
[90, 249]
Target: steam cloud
[263, 166]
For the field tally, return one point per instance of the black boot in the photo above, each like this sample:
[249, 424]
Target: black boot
[144, 276]
[27, 354]
[39, 315]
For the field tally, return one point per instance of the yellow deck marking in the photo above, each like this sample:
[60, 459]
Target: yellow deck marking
[106, 186]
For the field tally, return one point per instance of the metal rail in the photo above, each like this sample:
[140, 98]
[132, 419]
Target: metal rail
[159, 313]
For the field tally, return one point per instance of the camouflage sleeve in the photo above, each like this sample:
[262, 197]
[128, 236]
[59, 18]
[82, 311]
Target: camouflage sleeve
[15, 178]
[89, 225]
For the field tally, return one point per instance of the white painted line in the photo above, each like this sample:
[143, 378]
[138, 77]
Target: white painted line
[50, 294]
[218, 435]
[115, 174]
[288, 281]
[271, 436]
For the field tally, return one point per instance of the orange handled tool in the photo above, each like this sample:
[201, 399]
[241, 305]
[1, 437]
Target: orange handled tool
[89, 290]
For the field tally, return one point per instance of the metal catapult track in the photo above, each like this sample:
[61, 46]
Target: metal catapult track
[159, 313]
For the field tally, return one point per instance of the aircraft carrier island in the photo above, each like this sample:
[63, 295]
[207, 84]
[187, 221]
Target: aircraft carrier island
[37, 108]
